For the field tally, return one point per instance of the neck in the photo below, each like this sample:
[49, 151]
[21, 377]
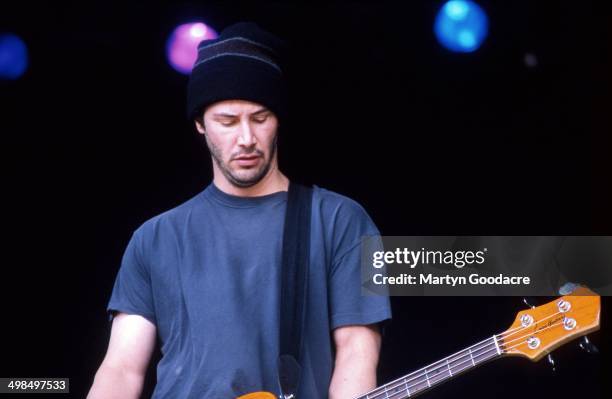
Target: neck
[274, 181]
[421, 380]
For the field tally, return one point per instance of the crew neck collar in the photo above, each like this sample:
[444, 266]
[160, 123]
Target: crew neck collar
[213, 192]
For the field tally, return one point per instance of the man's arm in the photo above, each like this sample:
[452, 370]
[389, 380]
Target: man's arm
[123, 369]
[357, 349]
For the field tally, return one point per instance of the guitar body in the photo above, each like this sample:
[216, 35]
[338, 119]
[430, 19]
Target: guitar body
[258, 395]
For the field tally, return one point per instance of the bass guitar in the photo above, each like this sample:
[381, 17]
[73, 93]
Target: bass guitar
[534, 333]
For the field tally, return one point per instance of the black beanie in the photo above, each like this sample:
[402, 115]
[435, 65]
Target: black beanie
[243, 63]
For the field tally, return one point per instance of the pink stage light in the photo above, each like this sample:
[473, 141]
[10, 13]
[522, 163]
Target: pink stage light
[182, 46]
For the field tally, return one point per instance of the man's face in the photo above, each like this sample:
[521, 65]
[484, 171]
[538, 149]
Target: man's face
[241, 137]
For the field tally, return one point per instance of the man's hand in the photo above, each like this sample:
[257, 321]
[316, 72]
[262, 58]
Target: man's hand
[123, 369]
[357, 349]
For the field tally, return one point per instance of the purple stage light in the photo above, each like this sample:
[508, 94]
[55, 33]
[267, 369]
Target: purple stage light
[182, 46]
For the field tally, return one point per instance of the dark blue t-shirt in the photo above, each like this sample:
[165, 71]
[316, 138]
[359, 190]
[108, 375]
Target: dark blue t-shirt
[207, 274]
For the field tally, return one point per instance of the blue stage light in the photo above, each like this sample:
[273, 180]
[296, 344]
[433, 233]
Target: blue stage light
[13, 56]
[461, 25]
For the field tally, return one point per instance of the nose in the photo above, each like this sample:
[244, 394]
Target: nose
[246, 136]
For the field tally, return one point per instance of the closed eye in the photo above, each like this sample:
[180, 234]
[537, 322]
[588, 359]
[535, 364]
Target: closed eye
[261, 118]
[226, 122]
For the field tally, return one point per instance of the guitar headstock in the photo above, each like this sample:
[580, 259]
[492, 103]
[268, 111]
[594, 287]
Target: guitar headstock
[540, 330]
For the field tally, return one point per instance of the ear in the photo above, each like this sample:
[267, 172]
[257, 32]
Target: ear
[200, 127]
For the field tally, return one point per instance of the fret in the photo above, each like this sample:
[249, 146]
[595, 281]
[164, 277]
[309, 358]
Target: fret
[459, 362]
[418, 384]
[390, 390]
[407, 386]
[484, 357]
[438, 373]
[471, 357]
[496, 345]
[480, 350]
[485, 352]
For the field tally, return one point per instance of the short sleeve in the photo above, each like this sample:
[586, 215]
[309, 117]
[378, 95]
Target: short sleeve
[348, 305]
[132, 292]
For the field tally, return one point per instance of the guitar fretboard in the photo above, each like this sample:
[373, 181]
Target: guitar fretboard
[419, 381]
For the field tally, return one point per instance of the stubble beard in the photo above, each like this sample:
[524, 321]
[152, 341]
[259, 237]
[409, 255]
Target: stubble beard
[234, 178]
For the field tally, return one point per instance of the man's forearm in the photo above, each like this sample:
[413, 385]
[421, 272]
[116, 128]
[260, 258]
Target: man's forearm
[114, 383]
[354, 374]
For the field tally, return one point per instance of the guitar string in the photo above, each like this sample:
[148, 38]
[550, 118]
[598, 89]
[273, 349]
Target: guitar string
[504, 335]
[374, 395]
[521, 327]
[506, 342]
[537, 332]
[400, 380]
[407, 387]
[532, 334]
[436, 367]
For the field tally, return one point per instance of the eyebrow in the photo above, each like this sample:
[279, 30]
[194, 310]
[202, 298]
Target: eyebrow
[261, 111]
[229, 115]
[224, 115]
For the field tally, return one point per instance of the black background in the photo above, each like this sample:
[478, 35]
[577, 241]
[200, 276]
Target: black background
[94, 142]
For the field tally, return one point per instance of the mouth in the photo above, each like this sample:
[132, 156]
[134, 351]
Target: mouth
[247, 160]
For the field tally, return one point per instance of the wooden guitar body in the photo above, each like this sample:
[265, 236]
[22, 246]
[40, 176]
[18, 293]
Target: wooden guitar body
[258, 395]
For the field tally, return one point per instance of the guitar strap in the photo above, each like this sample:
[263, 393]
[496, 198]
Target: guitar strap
[294, 274]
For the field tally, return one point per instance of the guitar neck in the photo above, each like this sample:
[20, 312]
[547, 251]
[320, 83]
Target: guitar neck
[534, 333]
[423, 379]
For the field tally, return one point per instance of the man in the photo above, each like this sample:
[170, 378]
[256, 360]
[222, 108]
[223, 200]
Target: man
[204, 276]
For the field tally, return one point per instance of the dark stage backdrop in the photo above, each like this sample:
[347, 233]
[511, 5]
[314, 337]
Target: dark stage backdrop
[94, 142]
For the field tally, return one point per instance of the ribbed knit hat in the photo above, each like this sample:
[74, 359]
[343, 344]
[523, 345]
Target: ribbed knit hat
[243, 63]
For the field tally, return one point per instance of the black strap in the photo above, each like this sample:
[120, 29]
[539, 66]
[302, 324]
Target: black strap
[294, 280]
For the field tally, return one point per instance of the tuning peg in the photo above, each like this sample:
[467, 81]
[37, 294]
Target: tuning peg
[551, 361]
[588, 346]
[530, 301]
[567, 288]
